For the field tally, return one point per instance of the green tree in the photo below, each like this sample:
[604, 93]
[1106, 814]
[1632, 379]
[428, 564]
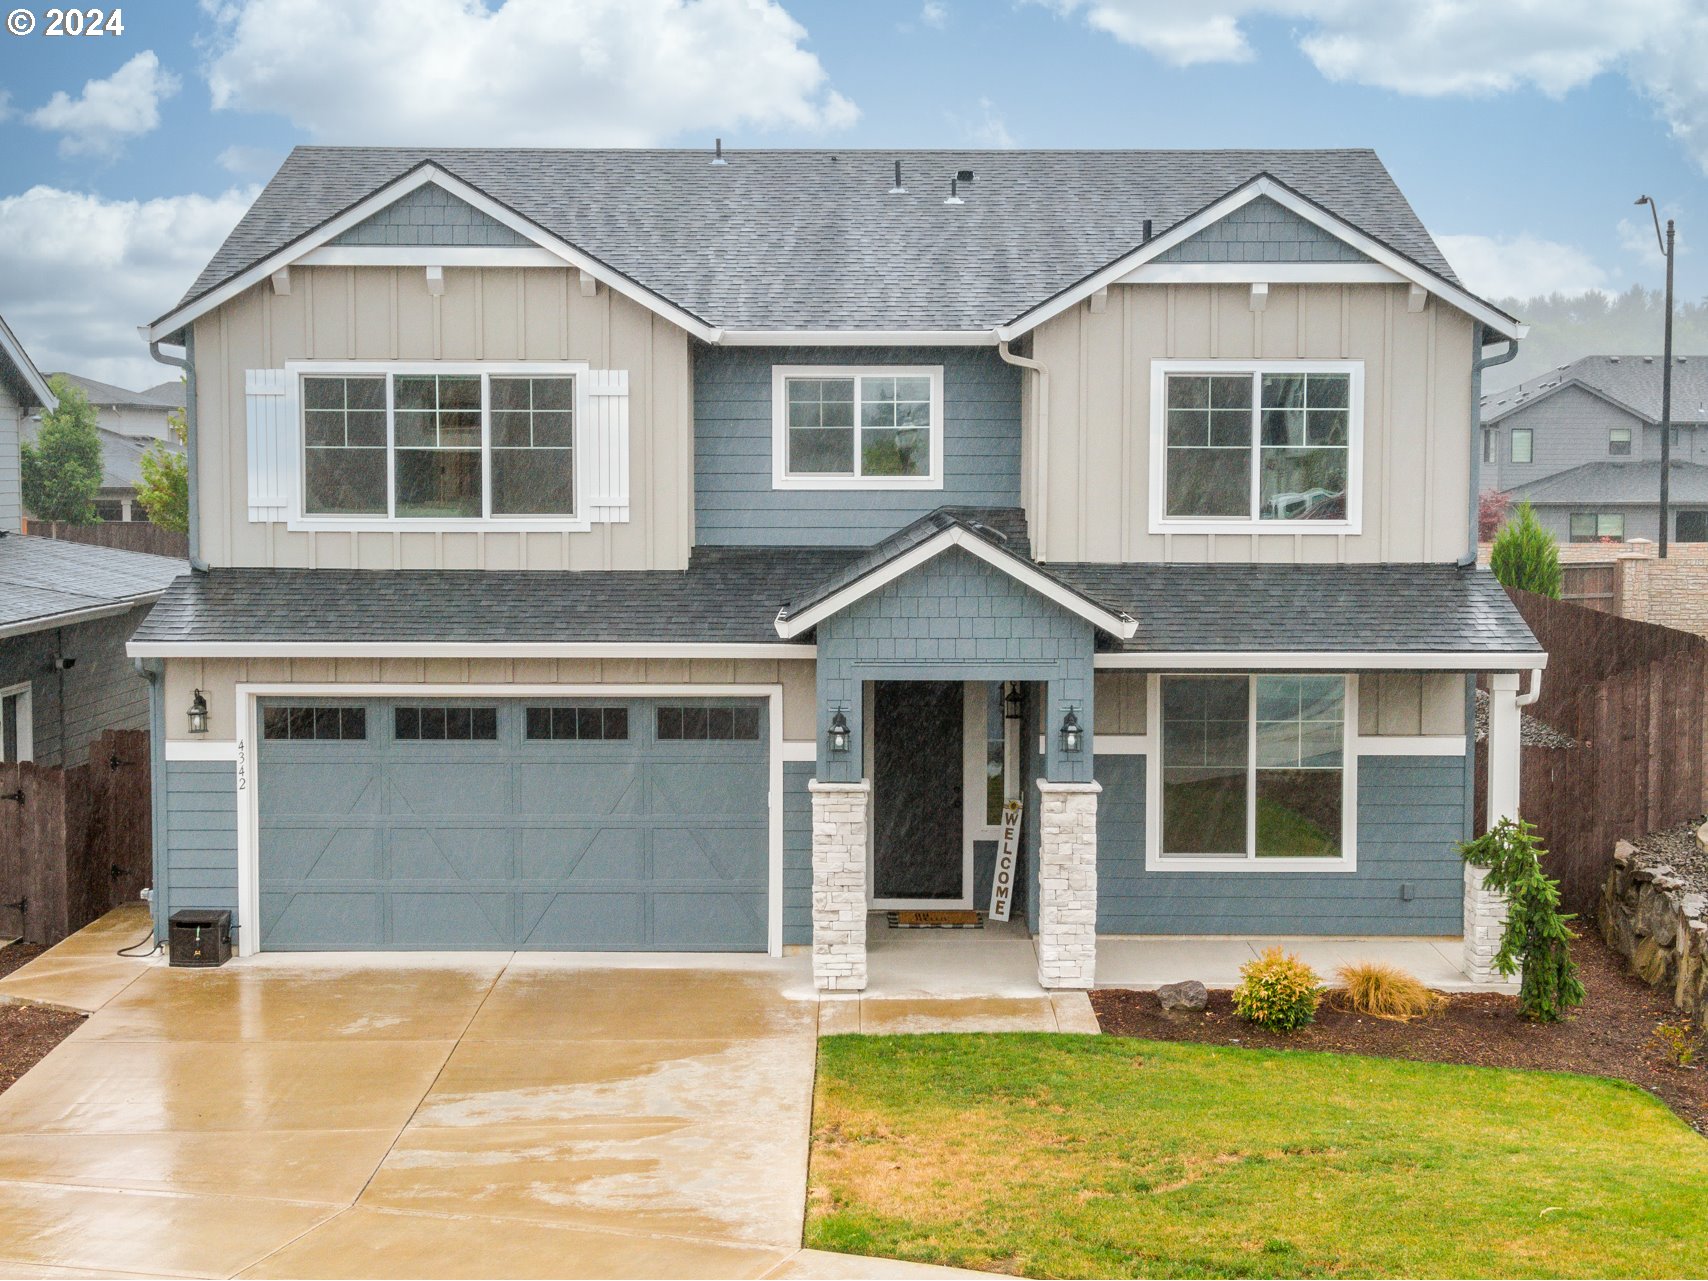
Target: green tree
[164, 491]
[1526, 556]
[1536, 942]
[62, 469]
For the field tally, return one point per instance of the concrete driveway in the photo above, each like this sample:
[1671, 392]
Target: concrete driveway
[511, 1116]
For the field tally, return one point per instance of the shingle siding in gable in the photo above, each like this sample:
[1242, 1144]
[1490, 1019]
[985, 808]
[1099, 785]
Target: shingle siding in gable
[430, 215]
[735, 503]
[1262, 231]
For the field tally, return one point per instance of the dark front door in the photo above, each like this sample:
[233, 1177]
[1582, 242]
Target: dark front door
[916, 791]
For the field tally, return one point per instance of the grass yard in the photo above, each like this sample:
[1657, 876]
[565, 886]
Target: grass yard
[1063, 1156]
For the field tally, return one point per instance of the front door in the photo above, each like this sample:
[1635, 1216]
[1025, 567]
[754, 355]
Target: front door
[918, 857]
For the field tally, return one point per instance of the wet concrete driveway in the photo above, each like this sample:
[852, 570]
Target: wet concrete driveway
[504, 1117]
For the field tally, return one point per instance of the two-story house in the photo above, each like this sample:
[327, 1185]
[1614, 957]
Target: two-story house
[1582, 445]
[661, 550]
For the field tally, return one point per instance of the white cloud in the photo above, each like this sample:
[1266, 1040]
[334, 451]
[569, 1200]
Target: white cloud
[521, 73]
[1440, 47]
[987, 128]
[81, 273]
[124, 105]
[934, 14]
[240, 159]
[1521, 266]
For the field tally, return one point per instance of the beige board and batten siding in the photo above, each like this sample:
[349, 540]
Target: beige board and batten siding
[218, 679]
[1086, 485]
[1390, 704]
[381, 314]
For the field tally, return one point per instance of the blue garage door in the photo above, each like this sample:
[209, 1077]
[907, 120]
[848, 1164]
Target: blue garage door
[580, 825]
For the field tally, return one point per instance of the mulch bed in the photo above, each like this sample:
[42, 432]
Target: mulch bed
[1611, 1034]
[28, 1032]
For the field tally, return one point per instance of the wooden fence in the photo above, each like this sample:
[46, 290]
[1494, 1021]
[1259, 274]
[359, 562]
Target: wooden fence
[74, 843]
[1594, 584]
[126, 535]
[1632, 695]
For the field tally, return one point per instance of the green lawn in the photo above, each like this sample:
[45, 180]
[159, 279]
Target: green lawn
[1063, 1156]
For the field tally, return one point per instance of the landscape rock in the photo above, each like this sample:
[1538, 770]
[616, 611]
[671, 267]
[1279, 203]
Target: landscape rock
[1652, 915]
[1190, 997]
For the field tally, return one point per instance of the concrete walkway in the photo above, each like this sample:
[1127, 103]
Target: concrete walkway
[365, 1117]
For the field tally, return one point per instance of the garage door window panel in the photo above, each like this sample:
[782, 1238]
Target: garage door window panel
[452, 723]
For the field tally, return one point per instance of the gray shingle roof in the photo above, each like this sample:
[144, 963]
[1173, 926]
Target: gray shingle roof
[43, 579]
[121, 456]
[1637, 482]
[1633, 382]
[812, 239]
[166, 395]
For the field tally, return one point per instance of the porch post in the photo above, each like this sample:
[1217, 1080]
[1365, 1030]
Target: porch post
[1067, 884]
[1485, 911]
[839, 818]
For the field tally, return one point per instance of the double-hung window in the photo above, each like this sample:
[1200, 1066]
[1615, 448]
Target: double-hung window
[1619, 441]
[846, 427]
[1244, 444]
[425, 444]
[1523, 445]
[1253, 772]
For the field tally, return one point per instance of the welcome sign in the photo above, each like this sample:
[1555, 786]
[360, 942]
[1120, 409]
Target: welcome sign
[1007, 857]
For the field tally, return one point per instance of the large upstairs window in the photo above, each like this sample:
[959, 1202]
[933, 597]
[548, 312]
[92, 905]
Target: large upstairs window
[848, 427]
[1240, 445]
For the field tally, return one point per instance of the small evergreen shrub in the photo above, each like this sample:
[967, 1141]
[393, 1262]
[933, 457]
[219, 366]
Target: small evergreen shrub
[1526, 556]
[1384, 992]
[1536, 942]
[1277, 991]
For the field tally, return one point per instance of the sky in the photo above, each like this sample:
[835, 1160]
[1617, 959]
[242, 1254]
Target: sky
[1521, 130]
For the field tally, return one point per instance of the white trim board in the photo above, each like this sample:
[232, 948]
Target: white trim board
[1409, 744]
[429, 256]
[1270, 273]
[1286, 197]
[25, 693]
[248, 696]
[1115, 624]
[200, 749]
[1323, 661]
[48, 622]
[14, 351]
[467, 649]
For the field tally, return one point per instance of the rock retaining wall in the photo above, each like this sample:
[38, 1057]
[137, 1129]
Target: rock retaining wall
[1650, 917]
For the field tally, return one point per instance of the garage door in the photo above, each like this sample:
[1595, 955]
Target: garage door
[617, 824]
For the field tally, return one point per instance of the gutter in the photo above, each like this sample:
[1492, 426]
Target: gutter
[1039, 471]
[186, 362]
[51, 622]
[1480, 362]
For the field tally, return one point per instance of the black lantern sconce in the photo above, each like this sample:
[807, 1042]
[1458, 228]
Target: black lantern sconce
[1073, 736]
[199, 713]
[1013, 702]
[839, 733]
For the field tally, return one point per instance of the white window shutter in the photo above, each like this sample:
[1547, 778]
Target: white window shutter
[269, 443]
[606, 475]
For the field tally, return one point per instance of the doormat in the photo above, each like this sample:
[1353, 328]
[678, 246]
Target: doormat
[938, 919]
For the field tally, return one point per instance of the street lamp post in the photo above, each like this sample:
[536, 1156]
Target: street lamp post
[1667, 244]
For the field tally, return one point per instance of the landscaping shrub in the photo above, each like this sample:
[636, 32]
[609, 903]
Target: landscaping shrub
[1536, 942]
[1680, 1041]
[1384, 992]
[1277, 991]
[1525, 555]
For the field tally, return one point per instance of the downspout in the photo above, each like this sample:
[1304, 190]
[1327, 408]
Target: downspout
[1480, 362]
[1040, 422]
[187, 362]
[151, 670]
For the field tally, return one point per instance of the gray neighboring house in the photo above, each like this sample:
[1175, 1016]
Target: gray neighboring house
[138, 414]
[1582, 445]
[121, 471]
[66, 610]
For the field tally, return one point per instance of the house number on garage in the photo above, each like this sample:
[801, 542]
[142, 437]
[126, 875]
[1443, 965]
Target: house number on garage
[1007, 854]
[242, 765]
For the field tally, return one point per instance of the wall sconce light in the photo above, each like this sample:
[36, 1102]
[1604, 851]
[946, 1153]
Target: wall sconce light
[839, 732]
[1013, 702]
[199, 714]
[1072, 734]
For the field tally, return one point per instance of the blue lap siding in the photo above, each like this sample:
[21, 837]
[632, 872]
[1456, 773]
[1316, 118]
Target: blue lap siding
[1411, 817]
[797, 852]
[198, 866]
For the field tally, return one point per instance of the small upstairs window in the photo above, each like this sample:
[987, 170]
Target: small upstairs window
[1521, 445]
[1619, 441]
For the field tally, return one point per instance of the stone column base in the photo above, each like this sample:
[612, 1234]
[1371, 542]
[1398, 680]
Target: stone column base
[1485, 922]
[1067, 885]
[839, 818]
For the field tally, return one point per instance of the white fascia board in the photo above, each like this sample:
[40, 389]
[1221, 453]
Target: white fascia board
[1322, 660]
[1407, 270]
[562, 252]
[48, 622]
[1267, 273]
[1115, 624]
[430, 256]
[27, 368]
[444, 649]
[857, 337]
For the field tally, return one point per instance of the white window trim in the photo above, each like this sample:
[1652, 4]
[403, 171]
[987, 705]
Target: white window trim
[298, 519]
[25, 695]
[1250, 864]
[781, 478]
[1162, 523]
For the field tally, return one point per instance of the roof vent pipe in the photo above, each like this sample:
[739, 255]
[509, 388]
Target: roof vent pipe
[954, 193]
[898, 189]
[718, 152]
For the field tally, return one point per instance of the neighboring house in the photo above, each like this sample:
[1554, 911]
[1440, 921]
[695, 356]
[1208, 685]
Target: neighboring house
[140, 414]
[633, 550]
[66, 610]
[1582, 445]
[121, 468]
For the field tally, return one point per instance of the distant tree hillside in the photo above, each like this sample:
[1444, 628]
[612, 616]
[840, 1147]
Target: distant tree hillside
[1566, 326]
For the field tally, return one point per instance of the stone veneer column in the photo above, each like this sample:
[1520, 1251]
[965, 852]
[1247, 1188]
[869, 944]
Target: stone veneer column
[1485, 911]
[1067, 884]
[839, 817]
